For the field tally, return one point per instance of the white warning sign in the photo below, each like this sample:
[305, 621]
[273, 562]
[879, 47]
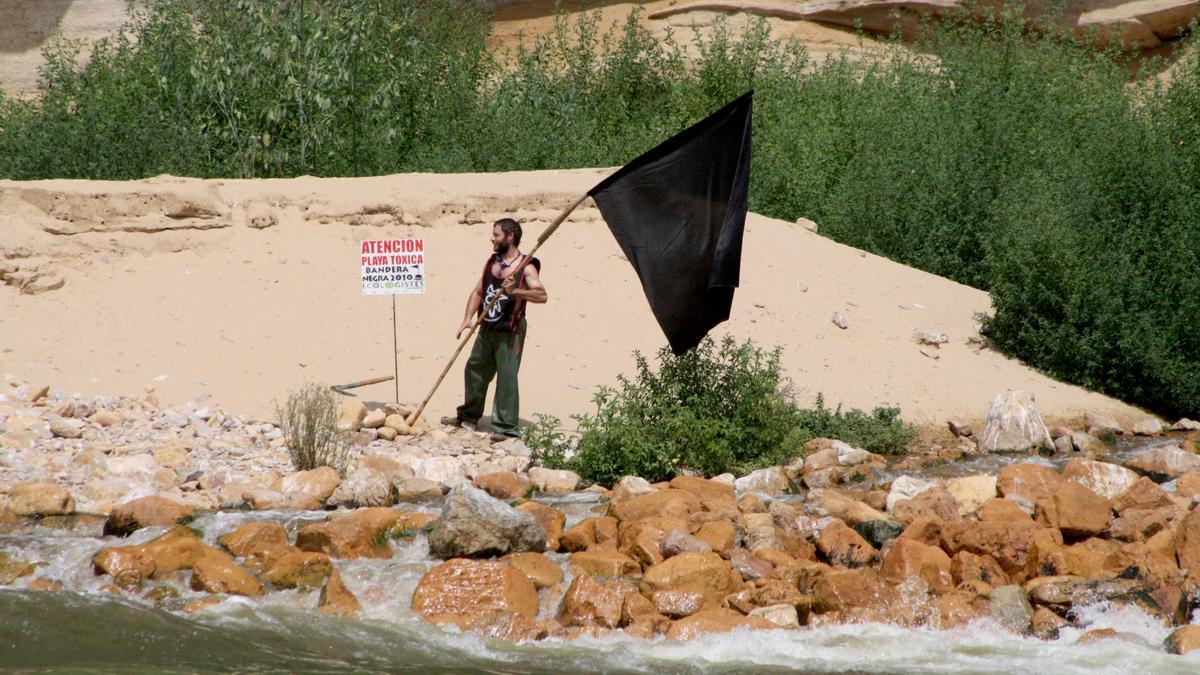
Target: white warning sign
[392, 266]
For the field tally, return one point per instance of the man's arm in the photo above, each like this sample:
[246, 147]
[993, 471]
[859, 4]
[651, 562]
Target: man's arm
[473, 302]
[535, 291]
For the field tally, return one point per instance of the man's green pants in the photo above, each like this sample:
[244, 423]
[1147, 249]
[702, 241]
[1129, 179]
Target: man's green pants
[498, 354]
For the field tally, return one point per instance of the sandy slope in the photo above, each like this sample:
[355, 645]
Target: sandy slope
[203, 302]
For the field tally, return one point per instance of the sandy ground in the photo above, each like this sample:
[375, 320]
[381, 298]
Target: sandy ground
[203, 302]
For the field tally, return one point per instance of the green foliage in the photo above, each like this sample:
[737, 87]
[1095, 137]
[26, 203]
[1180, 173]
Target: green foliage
[309, 424]
[718, 408]
[549, 446]
[1022, 162]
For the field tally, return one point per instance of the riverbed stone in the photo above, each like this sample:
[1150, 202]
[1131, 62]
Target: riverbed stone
[11, 570]
[343, 539]
[1099, 425]
[318, 483]
[971, 492]
[549, 518]
[475, 524]
[336, 598]
[591, 532]
[145, 512]
[910, 558]
[216, 572]
[40, 499]
[1079, 512]
[1187, 544]
[67, 428]
[1148, 427]
[1025, 484]
[1143, 494]
[416, 490]
[936, 502]
[669, 502]
[857, 589]
[299, 569]
[1105, 479]
[363, 487]
[603, 563]
[907, 487]
[462, 589]
[554, 481]
[590, 602]
[503, 484]
[716, 620]
[542, 571]
[771, 481]
[240, 541]
[679, 541]
[1183, 640]
[1010, 607]
[844, 547]
[704, 573]
[1164, 463]
[719, 535]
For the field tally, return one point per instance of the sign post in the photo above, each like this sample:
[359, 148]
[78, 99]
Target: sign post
[393, 267]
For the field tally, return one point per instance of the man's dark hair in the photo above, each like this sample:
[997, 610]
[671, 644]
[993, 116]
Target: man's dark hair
[511, 227]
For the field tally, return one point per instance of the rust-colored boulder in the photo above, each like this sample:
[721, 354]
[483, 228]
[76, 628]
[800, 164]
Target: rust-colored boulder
[317, 484]
[1001, 510]
[861, 589]
[1102, 478]
[299, 569]
[1138, 524]
[704, 489]
[1187, 544]
[957, 608]
[704, 573]
[925, 529]
[1045, 624]
[639, 614]
[551, 520]
[1009, 543]
[336, 599]
[677, 604]
[40, 499]
[461, 589]
[1143, 494]
[1026, 484]
[718, 620]
[134, 515]
[604, 563]
[1079, 512]
[1183, 640]
[1188, 485]
[936, 502]
[342, 539]
[542, 571]
[678, 541]
[504, 484]
[670, 503]
[910, 558]
[216, 572]
[261, 555]
[967, 566]
[589, 602]
[641, 541]
[378, 521]
[178, 549]
[240, 541]
[747, 564]
[844, 547]
[719, 535]
[593, 531]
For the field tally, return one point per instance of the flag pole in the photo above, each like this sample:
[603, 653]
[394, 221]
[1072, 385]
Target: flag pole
[562, 217]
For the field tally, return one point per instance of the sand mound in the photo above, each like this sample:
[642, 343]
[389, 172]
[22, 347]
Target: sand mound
[245, 289]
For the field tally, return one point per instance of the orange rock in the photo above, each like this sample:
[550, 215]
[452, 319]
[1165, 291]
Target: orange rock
[542, 571]
[302, 569]
[842, 546]
[704, 489]
[957, 608]
[966, 566]
[1138, 524]
[1001, 510]
[1026, 484]
[318, 483]
[1187, 545]
[719, 620]
[1188, 485]
[260, 556]
[336, 599]
[40, 499]
[1087, 558]
[1045, 623]
[40, 584]
[341, 539]
[511, 627]
[910, 558]
[720, 535]
[751, 503]
[669, 503]
[677, 604]
[1097, 635]
[215, 572]
[1009, 543]
[937, 502]
[551, 520]
[1079, 512]
[408, 524]
[1046, 559]
[144, 512]
[460, 590]
[376, 520]
[637, 610]
[641, 542]
[703, 573]
[128, 564]
[604, 563]
[925, 529]
[240, 541]
[842, 590]
[591, 532]
[775, 592]
[1143, 494]
[774, 557]
[503, 484]
[589, 602]
[1184, 639]
[200, 605]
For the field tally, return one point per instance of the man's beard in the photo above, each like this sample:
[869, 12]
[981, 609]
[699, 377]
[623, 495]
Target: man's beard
[503, 248]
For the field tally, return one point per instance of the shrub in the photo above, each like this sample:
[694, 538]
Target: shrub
[309, 424]
[719, 408]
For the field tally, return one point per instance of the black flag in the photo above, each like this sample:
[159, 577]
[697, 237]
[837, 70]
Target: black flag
[678, 213]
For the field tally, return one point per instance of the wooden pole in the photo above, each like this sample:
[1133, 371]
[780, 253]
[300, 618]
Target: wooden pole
[483, 312]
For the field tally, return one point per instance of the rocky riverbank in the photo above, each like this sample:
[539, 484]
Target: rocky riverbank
[192, 508]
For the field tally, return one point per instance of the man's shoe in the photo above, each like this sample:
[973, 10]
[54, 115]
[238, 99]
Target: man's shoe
[452, 421]
[498, 437]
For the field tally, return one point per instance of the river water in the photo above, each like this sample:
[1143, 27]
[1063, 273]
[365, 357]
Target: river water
[83, 628]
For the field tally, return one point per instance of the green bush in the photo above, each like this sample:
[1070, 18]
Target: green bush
[1018, 161]
[719, 408]
[309, 424]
